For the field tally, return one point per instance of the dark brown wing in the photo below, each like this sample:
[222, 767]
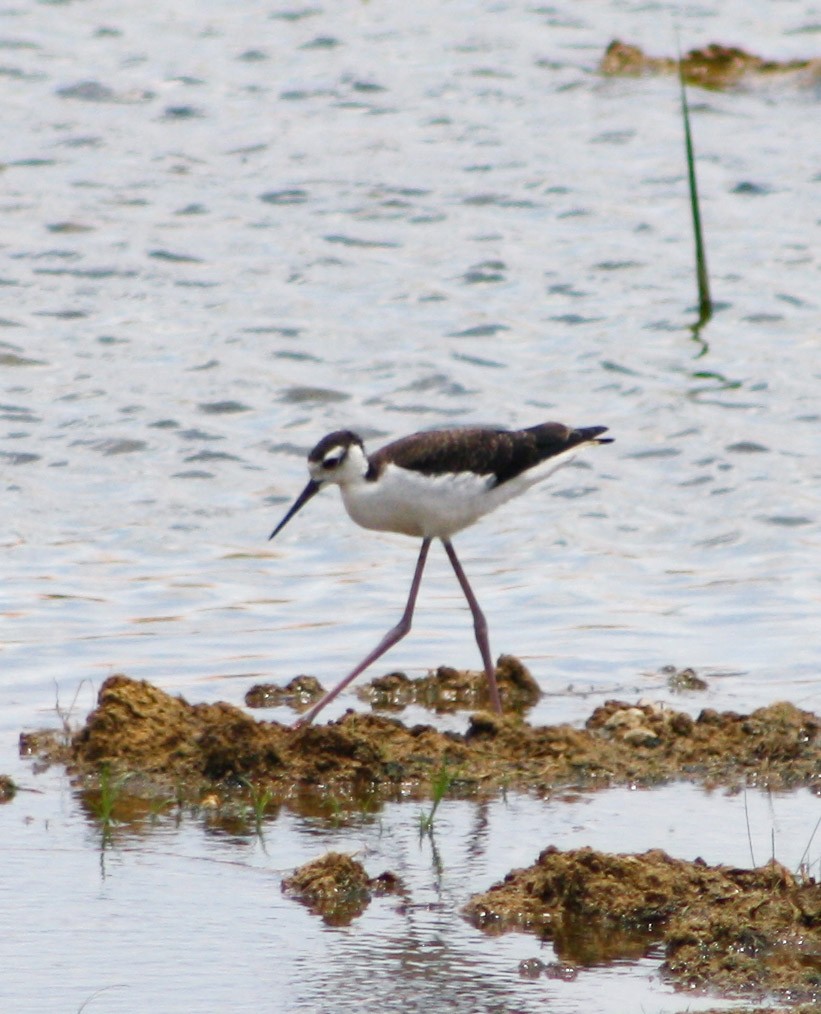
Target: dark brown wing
[503, 454]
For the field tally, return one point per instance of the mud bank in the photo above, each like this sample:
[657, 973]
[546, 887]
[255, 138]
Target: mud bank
[736, 930]
[164, 743]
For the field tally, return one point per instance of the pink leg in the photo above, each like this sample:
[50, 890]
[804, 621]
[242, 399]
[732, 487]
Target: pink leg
[479, 627]
[388, 641]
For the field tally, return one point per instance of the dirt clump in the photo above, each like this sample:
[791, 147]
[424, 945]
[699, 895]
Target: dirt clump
[8, 789]
[738, 930]
[712, 66]
[337, 888]
[137, 727]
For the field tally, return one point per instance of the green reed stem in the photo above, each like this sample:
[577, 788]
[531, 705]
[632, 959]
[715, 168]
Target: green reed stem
[705, 303]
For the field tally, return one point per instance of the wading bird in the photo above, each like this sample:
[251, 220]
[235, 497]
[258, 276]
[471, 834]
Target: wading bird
[431, 485]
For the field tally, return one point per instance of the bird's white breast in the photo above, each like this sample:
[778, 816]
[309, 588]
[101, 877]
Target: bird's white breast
[413, 504]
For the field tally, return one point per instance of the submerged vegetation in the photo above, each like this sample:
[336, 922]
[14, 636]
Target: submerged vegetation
[441, 783]
[103, 799]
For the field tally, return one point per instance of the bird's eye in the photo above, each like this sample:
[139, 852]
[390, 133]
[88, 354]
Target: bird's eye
[333, 460]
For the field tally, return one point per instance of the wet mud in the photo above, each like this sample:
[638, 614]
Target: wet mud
[714, 66]
[8, 790]
[191, 749]
[337, 888]
[737, 930]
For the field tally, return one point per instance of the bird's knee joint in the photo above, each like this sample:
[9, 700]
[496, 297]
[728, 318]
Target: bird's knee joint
[402, 627]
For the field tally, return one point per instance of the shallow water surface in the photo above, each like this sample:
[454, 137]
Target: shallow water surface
[214, 930]
[233, 228]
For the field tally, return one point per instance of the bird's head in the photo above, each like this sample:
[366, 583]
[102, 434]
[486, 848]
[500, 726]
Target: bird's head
[338, 458]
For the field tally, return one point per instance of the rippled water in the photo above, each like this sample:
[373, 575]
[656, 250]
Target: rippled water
[232, 228]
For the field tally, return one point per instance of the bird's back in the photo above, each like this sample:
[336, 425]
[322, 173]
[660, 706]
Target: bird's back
[503, 454]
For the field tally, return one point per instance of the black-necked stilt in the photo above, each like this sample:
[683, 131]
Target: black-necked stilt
[432, 485]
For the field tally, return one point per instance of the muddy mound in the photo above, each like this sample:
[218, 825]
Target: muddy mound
[736, 929]
[337, 888]
[139, 729]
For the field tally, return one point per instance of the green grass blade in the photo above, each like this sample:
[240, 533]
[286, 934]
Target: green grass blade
[705, 303]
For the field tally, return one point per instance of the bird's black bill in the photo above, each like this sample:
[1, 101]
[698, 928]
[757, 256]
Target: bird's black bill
[307, 494]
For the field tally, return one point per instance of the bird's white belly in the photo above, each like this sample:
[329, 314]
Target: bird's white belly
[420, 505]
